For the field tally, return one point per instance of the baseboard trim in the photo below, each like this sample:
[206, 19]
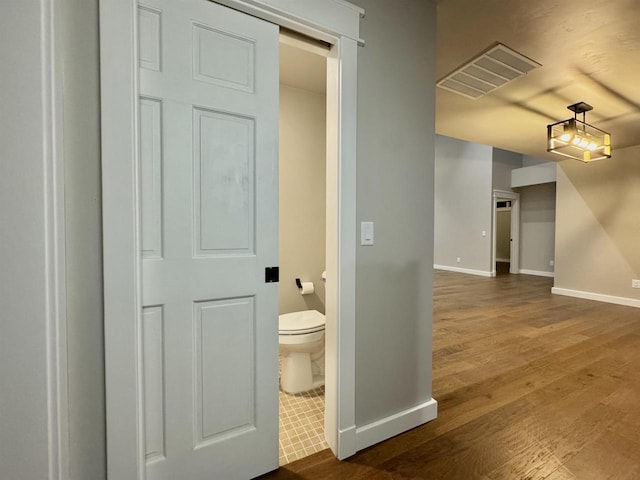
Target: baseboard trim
[538, 273]
[346, 443]
[481, 273]
[598, 297]
[393, 425]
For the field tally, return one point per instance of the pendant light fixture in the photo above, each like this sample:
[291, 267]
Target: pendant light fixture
[577, 139]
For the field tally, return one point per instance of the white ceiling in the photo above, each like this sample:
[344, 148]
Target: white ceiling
[589, 51]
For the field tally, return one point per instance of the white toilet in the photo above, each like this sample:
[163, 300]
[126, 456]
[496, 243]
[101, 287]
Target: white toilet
[301, 339]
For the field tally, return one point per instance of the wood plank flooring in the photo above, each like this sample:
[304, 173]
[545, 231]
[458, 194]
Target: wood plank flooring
[529, 386]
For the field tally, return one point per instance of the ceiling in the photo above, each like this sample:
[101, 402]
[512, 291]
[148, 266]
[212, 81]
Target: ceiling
[589, 51]
[301, 68]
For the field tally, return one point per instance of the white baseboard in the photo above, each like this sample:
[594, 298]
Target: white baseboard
[481, 273]
[393, 425]
[504, 260]
[599, 297]
[346, 443]
[538, 273]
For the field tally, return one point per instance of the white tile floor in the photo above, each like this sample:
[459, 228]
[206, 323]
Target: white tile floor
[301, 425]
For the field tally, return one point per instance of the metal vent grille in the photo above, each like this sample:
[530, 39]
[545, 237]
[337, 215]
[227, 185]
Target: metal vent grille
[492, 69]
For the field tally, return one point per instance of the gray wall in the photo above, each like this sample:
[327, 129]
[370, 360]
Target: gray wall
[503, 162]
[394, 179]
[598, 225]
[537, 227]
[529, 161]
[23, 339]
[302, 197]
[463, 204]
[394, 278]
[23, 238]
[80, 47]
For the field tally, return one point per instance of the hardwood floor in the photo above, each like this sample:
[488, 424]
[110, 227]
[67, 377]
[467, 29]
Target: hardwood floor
[530, 386]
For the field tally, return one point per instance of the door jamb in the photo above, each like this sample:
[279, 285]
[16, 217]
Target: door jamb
[336, 22]
[514, 264]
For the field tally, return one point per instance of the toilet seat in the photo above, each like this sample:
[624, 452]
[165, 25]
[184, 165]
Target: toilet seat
[301, 323]
[301, 332]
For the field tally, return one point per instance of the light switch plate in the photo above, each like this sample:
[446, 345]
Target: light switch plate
[366, 233]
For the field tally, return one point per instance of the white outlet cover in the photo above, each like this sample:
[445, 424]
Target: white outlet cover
[635, 283]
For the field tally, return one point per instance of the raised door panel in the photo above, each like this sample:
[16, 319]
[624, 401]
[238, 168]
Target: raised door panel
[223, 58]
[223, 183]
[208, 137]
[149, 33]
[225, 356]
[153, 372]
[151, 176]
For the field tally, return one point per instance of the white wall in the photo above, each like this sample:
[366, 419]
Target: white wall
[302, 197]
[537, 227]
[394, 189]
[25, 217]
[463, 204]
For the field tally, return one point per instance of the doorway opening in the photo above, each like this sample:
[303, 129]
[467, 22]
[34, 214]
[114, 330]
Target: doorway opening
[505, 258]
[503, 237]
[302, 245]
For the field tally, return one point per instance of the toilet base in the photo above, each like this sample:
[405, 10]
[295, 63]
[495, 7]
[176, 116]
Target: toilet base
[301, 372]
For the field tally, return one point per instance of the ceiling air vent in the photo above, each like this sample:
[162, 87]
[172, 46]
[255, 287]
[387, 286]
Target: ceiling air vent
[494, 68]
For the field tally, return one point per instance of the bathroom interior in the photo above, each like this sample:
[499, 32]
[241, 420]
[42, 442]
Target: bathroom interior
[302, 221]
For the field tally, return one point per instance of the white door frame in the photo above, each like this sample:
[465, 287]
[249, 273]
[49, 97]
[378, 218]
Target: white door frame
[334, 21]
[514, 264]
[34, 309]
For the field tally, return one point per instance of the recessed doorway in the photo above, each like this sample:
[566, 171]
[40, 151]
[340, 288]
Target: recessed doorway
[302, 233]
[505, 258]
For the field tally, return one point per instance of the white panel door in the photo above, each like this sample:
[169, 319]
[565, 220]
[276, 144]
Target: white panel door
[208, 162]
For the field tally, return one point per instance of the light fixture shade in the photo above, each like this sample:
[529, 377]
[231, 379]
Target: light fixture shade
[578, 140]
